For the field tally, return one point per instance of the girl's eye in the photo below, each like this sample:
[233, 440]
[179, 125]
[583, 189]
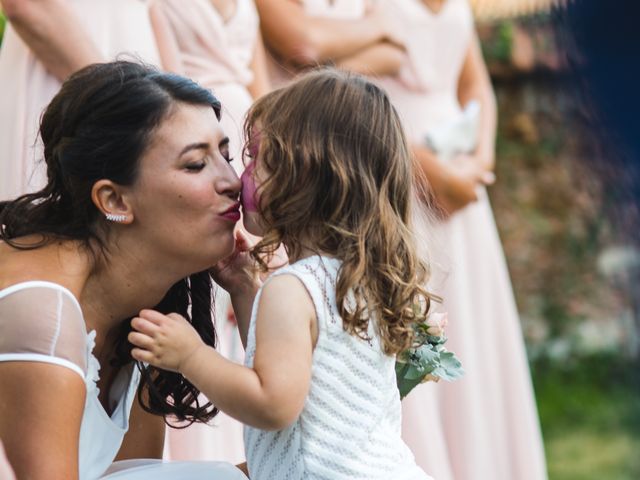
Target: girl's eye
[228, 158]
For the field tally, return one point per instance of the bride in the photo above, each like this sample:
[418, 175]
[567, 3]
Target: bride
[140, 203]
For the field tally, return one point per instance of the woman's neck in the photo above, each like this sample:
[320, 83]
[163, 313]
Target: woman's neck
[123, 282]
[121, 290]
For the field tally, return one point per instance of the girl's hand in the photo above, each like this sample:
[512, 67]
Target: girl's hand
[236, 273]
[164, 341]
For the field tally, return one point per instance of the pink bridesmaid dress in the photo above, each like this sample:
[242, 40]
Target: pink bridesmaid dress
[489, 417]
[217, 54]
[117, 27]
[281, 71]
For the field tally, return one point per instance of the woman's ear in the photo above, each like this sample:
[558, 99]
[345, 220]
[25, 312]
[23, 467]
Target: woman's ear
[110, 199]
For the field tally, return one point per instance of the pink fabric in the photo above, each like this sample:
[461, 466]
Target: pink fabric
[119, 28]
[280, 72]
[218, 55]
[488, 418]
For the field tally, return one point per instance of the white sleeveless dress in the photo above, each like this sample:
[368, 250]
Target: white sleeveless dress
[43, 322]
[349, 427]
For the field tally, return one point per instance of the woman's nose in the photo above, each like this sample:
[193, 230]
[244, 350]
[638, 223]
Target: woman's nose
[231, 183]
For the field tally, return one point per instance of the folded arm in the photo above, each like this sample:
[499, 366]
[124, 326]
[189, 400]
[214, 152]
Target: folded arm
[309, 41]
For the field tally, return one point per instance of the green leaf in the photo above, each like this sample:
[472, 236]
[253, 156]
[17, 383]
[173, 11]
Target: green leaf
[405, 386]
[430, 357]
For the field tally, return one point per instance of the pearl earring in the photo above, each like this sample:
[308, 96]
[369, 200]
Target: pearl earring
[112, 217]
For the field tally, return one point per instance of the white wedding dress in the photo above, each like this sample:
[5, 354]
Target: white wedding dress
[43, 322]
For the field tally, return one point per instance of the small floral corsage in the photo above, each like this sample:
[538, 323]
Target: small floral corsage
[429, 360]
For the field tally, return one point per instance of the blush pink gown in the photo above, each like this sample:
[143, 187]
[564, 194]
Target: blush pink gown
[217, 54]
[489, 417]
[117, 27]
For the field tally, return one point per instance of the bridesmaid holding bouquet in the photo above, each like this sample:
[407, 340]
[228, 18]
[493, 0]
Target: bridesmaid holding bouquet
[443, 93]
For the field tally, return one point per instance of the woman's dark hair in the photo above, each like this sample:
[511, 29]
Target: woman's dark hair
[97, 127]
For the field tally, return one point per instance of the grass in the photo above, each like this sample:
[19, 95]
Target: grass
[590, 414]
[2, 24]
[584, 454]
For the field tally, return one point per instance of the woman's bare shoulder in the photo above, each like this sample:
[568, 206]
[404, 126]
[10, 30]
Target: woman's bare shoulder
[63, 263]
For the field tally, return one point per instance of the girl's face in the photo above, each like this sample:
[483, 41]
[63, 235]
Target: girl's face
[251, 179]
[185, 200]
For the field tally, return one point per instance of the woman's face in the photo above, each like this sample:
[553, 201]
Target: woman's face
[185, 200]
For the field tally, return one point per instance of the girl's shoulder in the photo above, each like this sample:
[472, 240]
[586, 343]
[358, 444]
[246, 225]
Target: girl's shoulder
[318, 273]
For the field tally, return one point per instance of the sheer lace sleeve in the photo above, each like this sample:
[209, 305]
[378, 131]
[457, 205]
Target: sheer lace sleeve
[42, 322]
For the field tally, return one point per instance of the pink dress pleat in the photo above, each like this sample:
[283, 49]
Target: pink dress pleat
[119, 28]
[488, 418]
[217, 54]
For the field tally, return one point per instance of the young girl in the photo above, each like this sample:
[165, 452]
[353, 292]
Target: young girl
[318, 393]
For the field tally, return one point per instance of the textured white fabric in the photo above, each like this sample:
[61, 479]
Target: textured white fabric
[350, 425]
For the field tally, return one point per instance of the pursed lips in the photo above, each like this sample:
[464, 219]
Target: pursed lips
[232, 213]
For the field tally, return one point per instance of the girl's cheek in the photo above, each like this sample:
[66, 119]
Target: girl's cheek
[249, 194]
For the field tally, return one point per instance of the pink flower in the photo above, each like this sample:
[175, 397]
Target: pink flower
[436, 323]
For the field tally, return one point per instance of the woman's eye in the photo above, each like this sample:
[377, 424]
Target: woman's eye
[224, 151]
[195, 167]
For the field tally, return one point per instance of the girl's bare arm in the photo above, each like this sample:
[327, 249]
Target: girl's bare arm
[270, 395]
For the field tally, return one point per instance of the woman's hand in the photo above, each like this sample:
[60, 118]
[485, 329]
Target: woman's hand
[464, 174]
[164, 341]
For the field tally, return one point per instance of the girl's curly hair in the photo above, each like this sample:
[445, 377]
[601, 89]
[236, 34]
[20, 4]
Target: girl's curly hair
[340, 182]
